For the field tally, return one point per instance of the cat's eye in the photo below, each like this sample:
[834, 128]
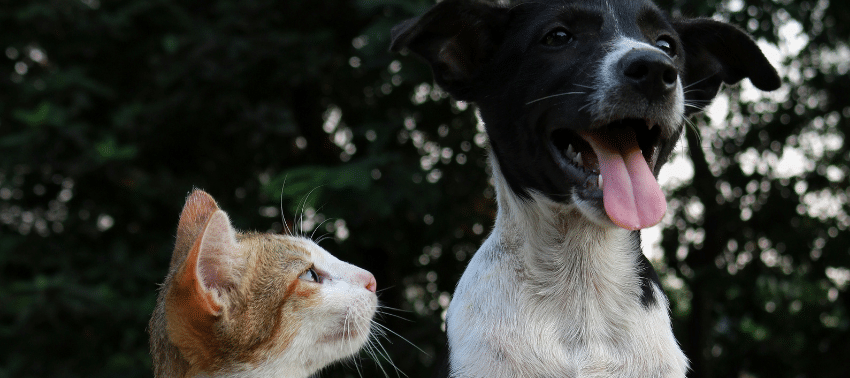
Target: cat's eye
[556, 38]
[311, 275]
[666, 44]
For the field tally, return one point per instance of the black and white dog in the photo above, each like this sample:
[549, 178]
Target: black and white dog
[583, 101]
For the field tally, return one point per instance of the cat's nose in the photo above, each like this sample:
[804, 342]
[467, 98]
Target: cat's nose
[368, 281]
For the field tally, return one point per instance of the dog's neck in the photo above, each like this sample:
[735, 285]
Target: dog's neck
[563, 253]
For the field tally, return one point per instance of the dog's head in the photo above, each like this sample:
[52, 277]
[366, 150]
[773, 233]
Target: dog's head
[583, 101]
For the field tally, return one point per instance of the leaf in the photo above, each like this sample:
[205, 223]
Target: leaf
[43, 113]
[109, 149]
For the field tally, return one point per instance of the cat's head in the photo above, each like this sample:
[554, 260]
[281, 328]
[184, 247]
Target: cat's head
[246, 303]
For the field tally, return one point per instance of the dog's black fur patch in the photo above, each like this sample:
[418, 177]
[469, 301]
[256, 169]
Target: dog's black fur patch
[648, 279]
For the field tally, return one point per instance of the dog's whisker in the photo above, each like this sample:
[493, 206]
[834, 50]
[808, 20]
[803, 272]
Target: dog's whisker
[554, 95]
[588, 104]
[701, 80]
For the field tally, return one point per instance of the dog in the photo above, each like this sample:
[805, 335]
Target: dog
[583, 102]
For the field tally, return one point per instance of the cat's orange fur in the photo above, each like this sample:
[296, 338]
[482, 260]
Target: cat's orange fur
[240, 304]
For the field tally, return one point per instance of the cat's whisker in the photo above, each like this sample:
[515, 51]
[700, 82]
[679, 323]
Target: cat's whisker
[323, 238]
[391, 308]
[381, 310]
[374, 355]
[386, 288]
[282, 216]
[372, 351]
[393, 315]
[373, 347]
[399, 336]
[387, 308]
[346, 330]
[367, 348]
[318, 227]
[379, 352]
[387, 356]
[303, 205]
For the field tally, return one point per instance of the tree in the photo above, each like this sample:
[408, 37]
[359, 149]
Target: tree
[759, 234]
[110, 112]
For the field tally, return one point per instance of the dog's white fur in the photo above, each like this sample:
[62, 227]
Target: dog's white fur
[568, 288]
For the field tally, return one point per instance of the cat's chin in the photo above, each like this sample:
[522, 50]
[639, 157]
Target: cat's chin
[354, 327]
[343, 345]
[347, 336]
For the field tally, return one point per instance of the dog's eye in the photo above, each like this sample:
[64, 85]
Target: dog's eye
[557, 37]
[666, 44]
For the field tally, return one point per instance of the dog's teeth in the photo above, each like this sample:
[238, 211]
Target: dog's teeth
[599, 181]
[570, 150]
[578, 160]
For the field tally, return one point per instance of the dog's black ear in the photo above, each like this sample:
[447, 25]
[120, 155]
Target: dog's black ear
[717, 52]
[456, 37]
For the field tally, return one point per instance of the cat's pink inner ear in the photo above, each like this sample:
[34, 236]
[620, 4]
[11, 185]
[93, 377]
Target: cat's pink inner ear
[218, 257]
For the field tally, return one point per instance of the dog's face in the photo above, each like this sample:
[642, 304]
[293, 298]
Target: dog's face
[583, 101]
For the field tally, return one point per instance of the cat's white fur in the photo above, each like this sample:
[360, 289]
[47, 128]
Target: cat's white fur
[544, 276]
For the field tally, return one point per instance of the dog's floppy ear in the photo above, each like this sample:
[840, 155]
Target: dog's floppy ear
[456, 37]
[717, 52]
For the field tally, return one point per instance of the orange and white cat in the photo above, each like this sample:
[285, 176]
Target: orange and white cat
[247, 304]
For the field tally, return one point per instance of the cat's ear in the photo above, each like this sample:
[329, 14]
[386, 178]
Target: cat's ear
[196, 212]
[198, 284]
[206, 256]
[211, 266]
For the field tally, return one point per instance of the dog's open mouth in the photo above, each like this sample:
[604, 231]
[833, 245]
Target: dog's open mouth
[617, 159]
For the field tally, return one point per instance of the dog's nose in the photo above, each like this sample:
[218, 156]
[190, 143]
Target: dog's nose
[651, 73]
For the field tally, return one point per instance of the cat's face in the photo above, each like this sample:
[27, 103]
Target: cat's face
[322, 306]
[252, 304]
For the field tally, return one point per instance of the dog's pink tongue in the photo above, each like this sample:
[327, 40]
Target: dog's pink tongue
[632, 197]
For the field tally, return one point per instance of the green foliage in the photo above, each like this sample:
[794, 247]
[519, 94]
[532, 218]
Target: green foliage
[110, 112]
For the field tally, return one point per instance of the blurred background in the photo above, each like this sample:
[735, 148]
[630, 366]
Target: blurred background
[112, 111]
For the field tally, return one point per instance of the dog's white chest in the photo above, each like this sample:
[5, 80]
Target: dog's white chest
[505, 322]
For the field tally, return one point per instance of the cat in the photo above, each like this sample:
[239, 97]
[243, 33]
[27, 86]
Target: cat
[247, 304]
